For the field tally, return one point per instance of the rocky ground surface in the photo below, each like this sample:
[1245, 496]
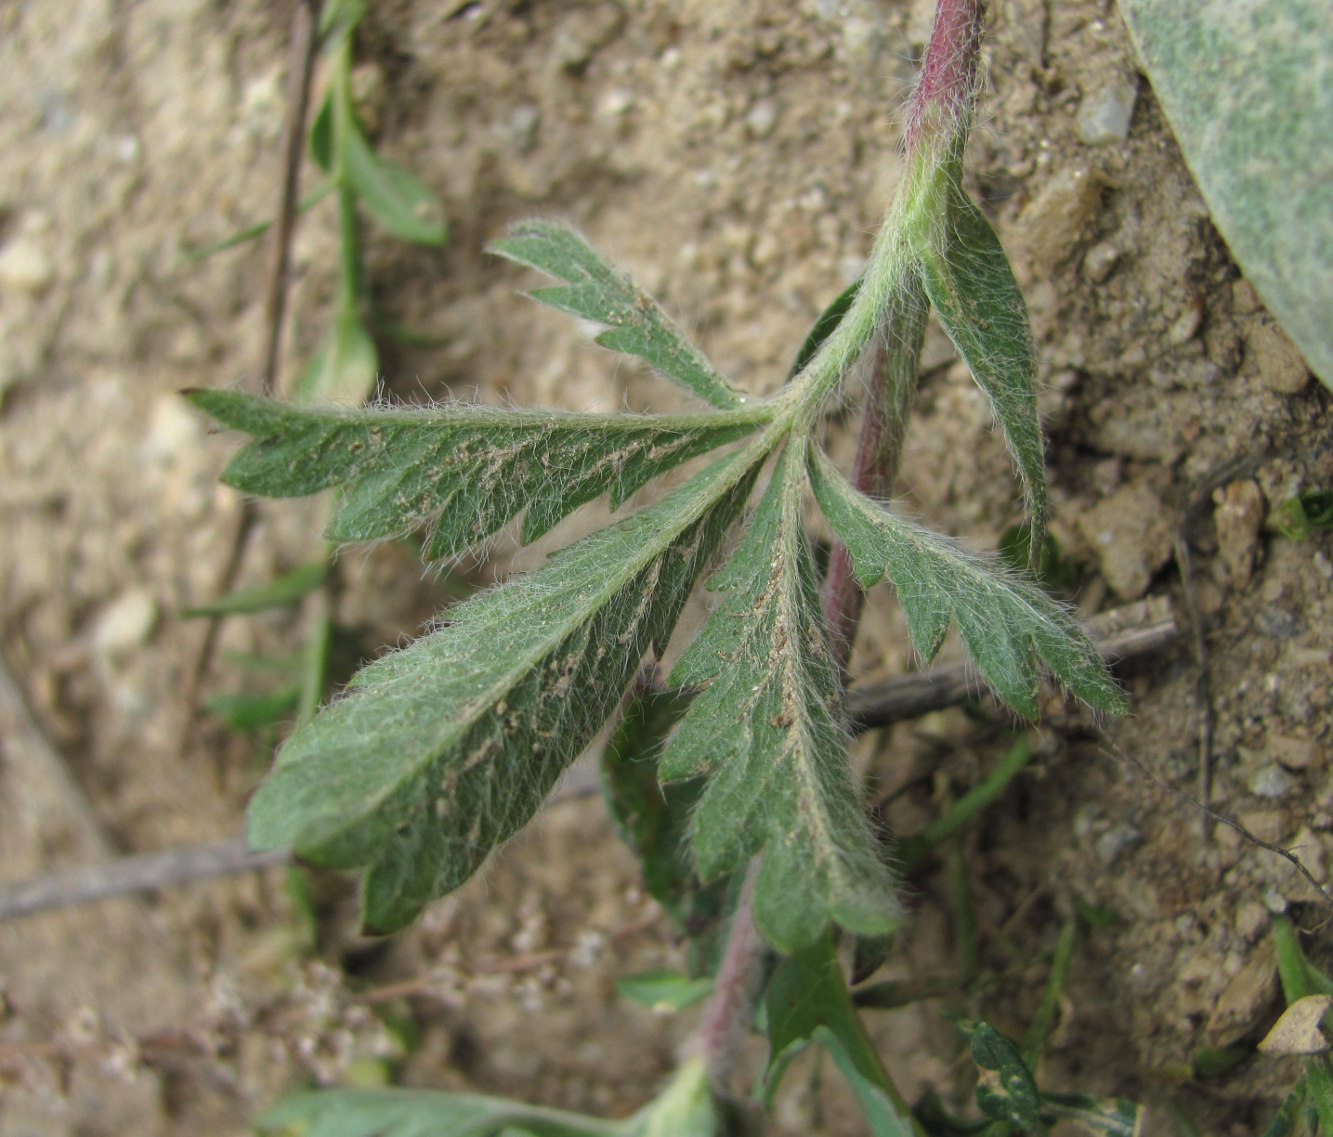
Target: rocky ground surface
[735, 157]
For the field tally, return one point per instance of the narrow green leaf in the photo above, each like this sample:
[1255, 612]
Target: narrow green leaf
[597, 291]
[439, 752]
[321, 133]
[974, 294]
[1118, 1117]
[663, 989]
[423, 1113]
[807, 1001]
[460, 471]
[346, 367]
[823, 327]
[1005, 1089]
[254, 712]
[769, 729]
[338, 19]
[395, 197]
[192, 253]
[285, 590]
[1291, 1119]
[1006, 622]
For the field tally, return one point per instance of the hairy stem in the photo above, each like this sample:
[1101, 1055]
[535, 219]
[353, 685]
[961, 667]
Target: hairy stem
[728, 1011]
[941, 103]
[892, 368]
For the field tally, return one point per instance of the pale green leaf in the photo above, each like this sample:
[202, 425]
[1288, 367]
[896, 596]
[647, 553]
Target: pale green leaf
[1245, 87]
[422, 1113]
[1118, 1117]
[345, 368]
[1006, 622]
[439, 752]
[974, 294]
[662, 989]
[395, 197]
[460, 471]
[598, 292]
[808, 1001]
[769, 730]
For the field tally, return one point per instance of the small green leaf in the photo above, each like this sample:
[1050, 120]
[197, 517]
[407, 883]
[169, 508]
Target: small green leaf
[345, 369]
[338, 19]
[439, 752]
[596, 291]
[280, 593]
[974, 294]
[321, 133]
[662, 989]
[1298, 517]
[193, 253]
[396, 198]
[460, 471]
[1006, 622]
[1293, 1117]
[254, 712]
[807, 1001]
[1005, 1088]
[1118, 1117]
[823, 327]
[769, 730]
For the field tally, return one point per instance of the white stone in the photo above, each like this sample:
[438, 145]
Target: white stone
[1104, 115]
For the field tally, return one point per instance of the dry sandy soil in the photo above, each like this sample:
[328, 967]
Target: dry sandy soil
[735, 156]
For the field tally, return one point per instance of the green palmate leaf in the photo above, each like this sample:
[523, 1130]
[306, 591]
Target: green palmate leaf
[974, 294]
[396, 198]
[1118, 1117]
[807, 1001]
[287, 589]
[769, 730]
[597, 291]
[1006, 622]
[439, 752]
[345, 368]
[461, 471]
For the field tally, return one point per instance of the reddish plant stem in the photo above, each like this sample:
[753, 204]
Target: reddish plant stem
[729, 1008]
[948, 79]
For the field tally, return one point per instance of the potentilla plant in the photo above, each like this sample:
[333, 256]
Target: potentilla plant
[437, 753]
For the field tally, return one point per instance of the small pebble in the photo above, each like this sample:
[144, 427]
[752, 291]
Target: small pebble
[1100, 261]
[1115, 841]
[763, 117]
[1104, 115]
[125, 623]
[25, 266]
[1270, 780]
[1280, 364]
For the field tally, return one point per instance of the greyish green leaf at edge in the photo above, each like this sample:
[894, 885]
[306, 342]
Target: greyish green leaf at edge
[1004, 619]
[768, 729]
[597, 291]
[1245, 88]
[439, 752]
[979, 305]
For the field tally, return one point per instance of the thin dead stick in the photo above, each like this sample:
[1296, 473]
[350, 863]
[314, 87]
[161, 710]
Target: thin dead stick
[144, 872]
[1111, 749]
[896, 700]
[907, 697]
[1203, 700]
[27, 727]
[304, 43]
